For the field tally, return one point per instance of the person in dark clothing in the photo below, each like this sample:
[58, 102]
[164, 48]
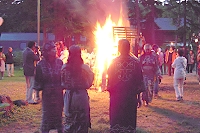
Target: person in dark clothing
[48, 80]
[170, 56]
[76, 78]
[10, 62]
[30, 56]
[125, 80]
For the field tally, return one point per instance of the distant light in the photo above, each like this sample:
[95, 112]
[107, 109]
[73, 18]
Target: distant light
[17, 2]
[196, 40]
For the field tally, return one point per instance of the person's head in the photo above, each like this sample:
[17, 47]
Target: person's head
[10, 49]
[75, 55]
[159, 50]
[180, 52]
[124, 46]
[57, 45]
[1, 48]
[171, 49]
[49, 50]
[147, 48]
[155, 47]
[191, 51]
[31, 45]
[74, 51]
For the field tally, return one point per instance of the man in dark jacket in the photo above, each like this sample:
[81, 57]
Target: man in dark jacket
[10, 62]
[29, 59]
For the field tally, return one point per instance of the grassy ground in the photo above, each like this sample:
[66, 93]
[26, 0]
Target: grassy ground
[164, 115]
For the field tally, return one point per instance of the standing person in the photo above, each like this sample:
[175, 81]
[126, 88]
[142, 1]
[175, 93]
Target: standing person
[198, 64]
[10, 62]
[29, 58]
[170, 56]
[180, 64]
[150, 69]
[161, 60]
[124, 82]
[190, 61]
[76, 78]
[157, 79]
[2, 63]
[48, 80]
[141, 43]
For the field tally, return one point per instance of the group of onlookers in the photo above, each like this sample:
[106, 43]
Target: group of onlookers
[179, 62]
[63, 76]
[6, 62]
[63, 85]
[171, 53]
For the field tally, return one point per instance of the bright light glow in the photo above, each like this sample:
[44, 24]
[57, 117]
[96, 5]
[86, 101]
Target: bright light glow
[106, 49]
[196, 40]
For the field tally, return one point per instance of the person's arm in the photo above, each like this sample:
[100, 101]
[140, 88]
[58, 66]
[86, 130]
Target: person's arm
[89, 75]
[157, 66]
[3, 57]
[110, 78]
[139, 80]
[198, 57]
[185, 64]
[36, 57]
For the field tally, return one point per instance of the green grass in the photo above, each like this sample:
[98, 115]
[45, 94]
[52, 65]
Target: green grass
[164, 115]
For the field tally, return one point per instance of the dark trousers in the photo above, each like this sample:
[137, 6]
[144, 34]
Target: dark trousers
[170, 69]
[190, 67]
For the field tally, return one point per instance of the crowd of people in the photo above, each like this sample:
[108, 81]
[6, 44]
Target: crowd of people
[63, 75]
[6, 62]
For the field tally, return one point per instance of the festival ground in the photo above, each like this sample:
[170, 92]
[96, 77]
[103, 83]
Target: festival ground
[164, 114]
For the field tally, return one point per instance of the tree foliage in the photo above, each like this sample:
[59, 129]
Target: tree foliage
[67, 18]
[18, 17]
[175, 10]
[62, 17]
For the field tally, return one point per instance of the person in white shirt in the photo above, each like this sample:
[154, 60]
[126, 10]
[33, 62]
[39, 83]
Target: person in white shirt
[180, 64]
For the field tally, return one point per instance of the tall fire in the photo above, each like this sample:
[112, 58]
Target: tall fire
[106, 49]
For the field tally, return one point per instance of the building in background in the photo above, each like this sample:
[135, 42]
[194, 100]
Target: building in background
[19, 40]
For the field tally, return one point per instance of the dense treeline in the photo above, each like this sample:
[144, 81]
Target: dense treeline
[67, 18]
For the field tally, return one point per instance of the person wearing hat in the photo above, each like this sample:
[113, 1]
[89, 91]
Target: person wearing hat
[48, 80]
[125, 81]
[76, 78]
[2, 62]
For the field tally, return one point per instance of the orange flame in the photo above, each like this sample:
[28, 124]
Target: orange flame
[106, 50]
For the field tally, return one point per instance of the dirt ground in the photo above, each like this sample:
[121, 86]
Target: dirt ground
[163, 115]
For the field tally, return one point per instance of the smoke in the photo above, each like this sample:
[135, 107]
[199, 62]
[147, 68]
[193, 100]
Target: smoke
[97, 10]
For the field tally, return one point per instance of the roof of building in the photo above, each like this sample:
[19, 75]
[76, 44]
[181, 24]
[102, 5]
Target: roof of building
[166, 24]
[25, 36]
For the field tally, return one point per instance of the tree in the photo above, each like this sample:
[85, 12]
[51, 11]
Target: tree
[149, 10]
[17, 18]
[64, 18]
[185, 16]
